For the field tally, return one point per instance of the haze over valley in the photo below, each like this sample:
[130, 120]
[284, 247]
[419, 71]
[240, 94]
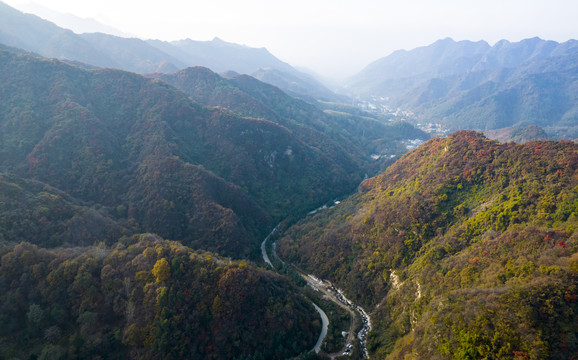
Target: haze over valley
[172, 188]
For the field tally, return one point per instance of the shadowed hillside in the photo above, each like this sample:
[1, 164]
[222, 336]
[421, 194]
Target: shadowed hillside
[157, 160]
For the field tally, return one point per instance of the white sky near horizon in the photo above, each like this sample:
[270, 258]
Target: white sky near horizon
[335, 38]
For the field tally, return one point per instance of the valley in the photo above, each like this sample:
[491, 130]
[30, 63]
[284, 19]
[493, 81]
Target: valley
[207, 200]
[137, 156]
[358, 317]
[451, 85]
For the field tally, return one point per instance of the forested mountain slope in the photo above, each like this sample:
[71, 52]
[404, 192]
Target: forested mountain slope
[350, 137]
[91, 158]
[156, 160]
[541, 93]
[35, 212]
[146, 298]
[464, 248]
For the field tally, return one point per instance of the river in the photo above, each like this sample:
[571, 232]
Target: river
[334, 294]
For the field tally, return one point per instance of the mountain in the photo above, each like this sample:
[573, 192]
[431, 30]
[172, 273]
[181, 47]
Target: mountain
[464, 248]
[220, 56]
[345, 133]
[147, 298]
[119, 140]
[139, 153]
[448, 57]
[520, 134]
[298, 84]
[133, 54]
[535, 94]
[319, 151]
[32, 33]
[68, 21]
[465, 85]
[444, 57]
[102, 137]
[92, 158]
[33, 211]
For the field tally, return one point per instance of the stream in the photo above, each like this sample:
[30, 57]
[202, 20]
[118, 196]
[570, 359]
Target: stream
[333, 293]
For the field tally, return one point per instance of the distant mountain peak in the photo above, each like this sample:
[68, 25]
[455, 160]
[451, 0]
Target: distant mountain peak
[474, 85]
[534, 39]
[77, 24]
[446, 40]
[229, 74]
[99, 48]
[502, 43]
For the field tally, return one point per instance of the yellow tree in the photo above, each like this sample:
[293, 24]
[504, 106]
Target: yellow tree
[162, 270]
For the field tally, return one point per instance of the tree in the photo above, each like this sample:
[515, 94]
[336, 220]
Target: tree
[35, 315]
[162, 270]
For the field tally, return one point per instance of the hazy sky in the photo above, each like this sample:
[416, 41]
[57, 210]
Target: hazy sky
[332, 37]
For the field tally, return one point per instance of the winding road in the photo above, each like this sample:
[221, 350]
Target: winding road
[324, 318]
[264, 248]
[336, 296]
[324, 327]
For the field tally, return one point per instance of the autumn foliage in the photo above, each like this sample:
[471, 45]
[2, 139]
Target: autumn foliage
[147, 298]
[464, 248]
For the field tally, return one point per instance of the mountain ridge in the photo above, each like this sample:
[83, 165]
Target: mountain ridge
[465, 85]
[436, 246]
[337, 131]
[213, 177]
[34, 34]
[77, 24]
